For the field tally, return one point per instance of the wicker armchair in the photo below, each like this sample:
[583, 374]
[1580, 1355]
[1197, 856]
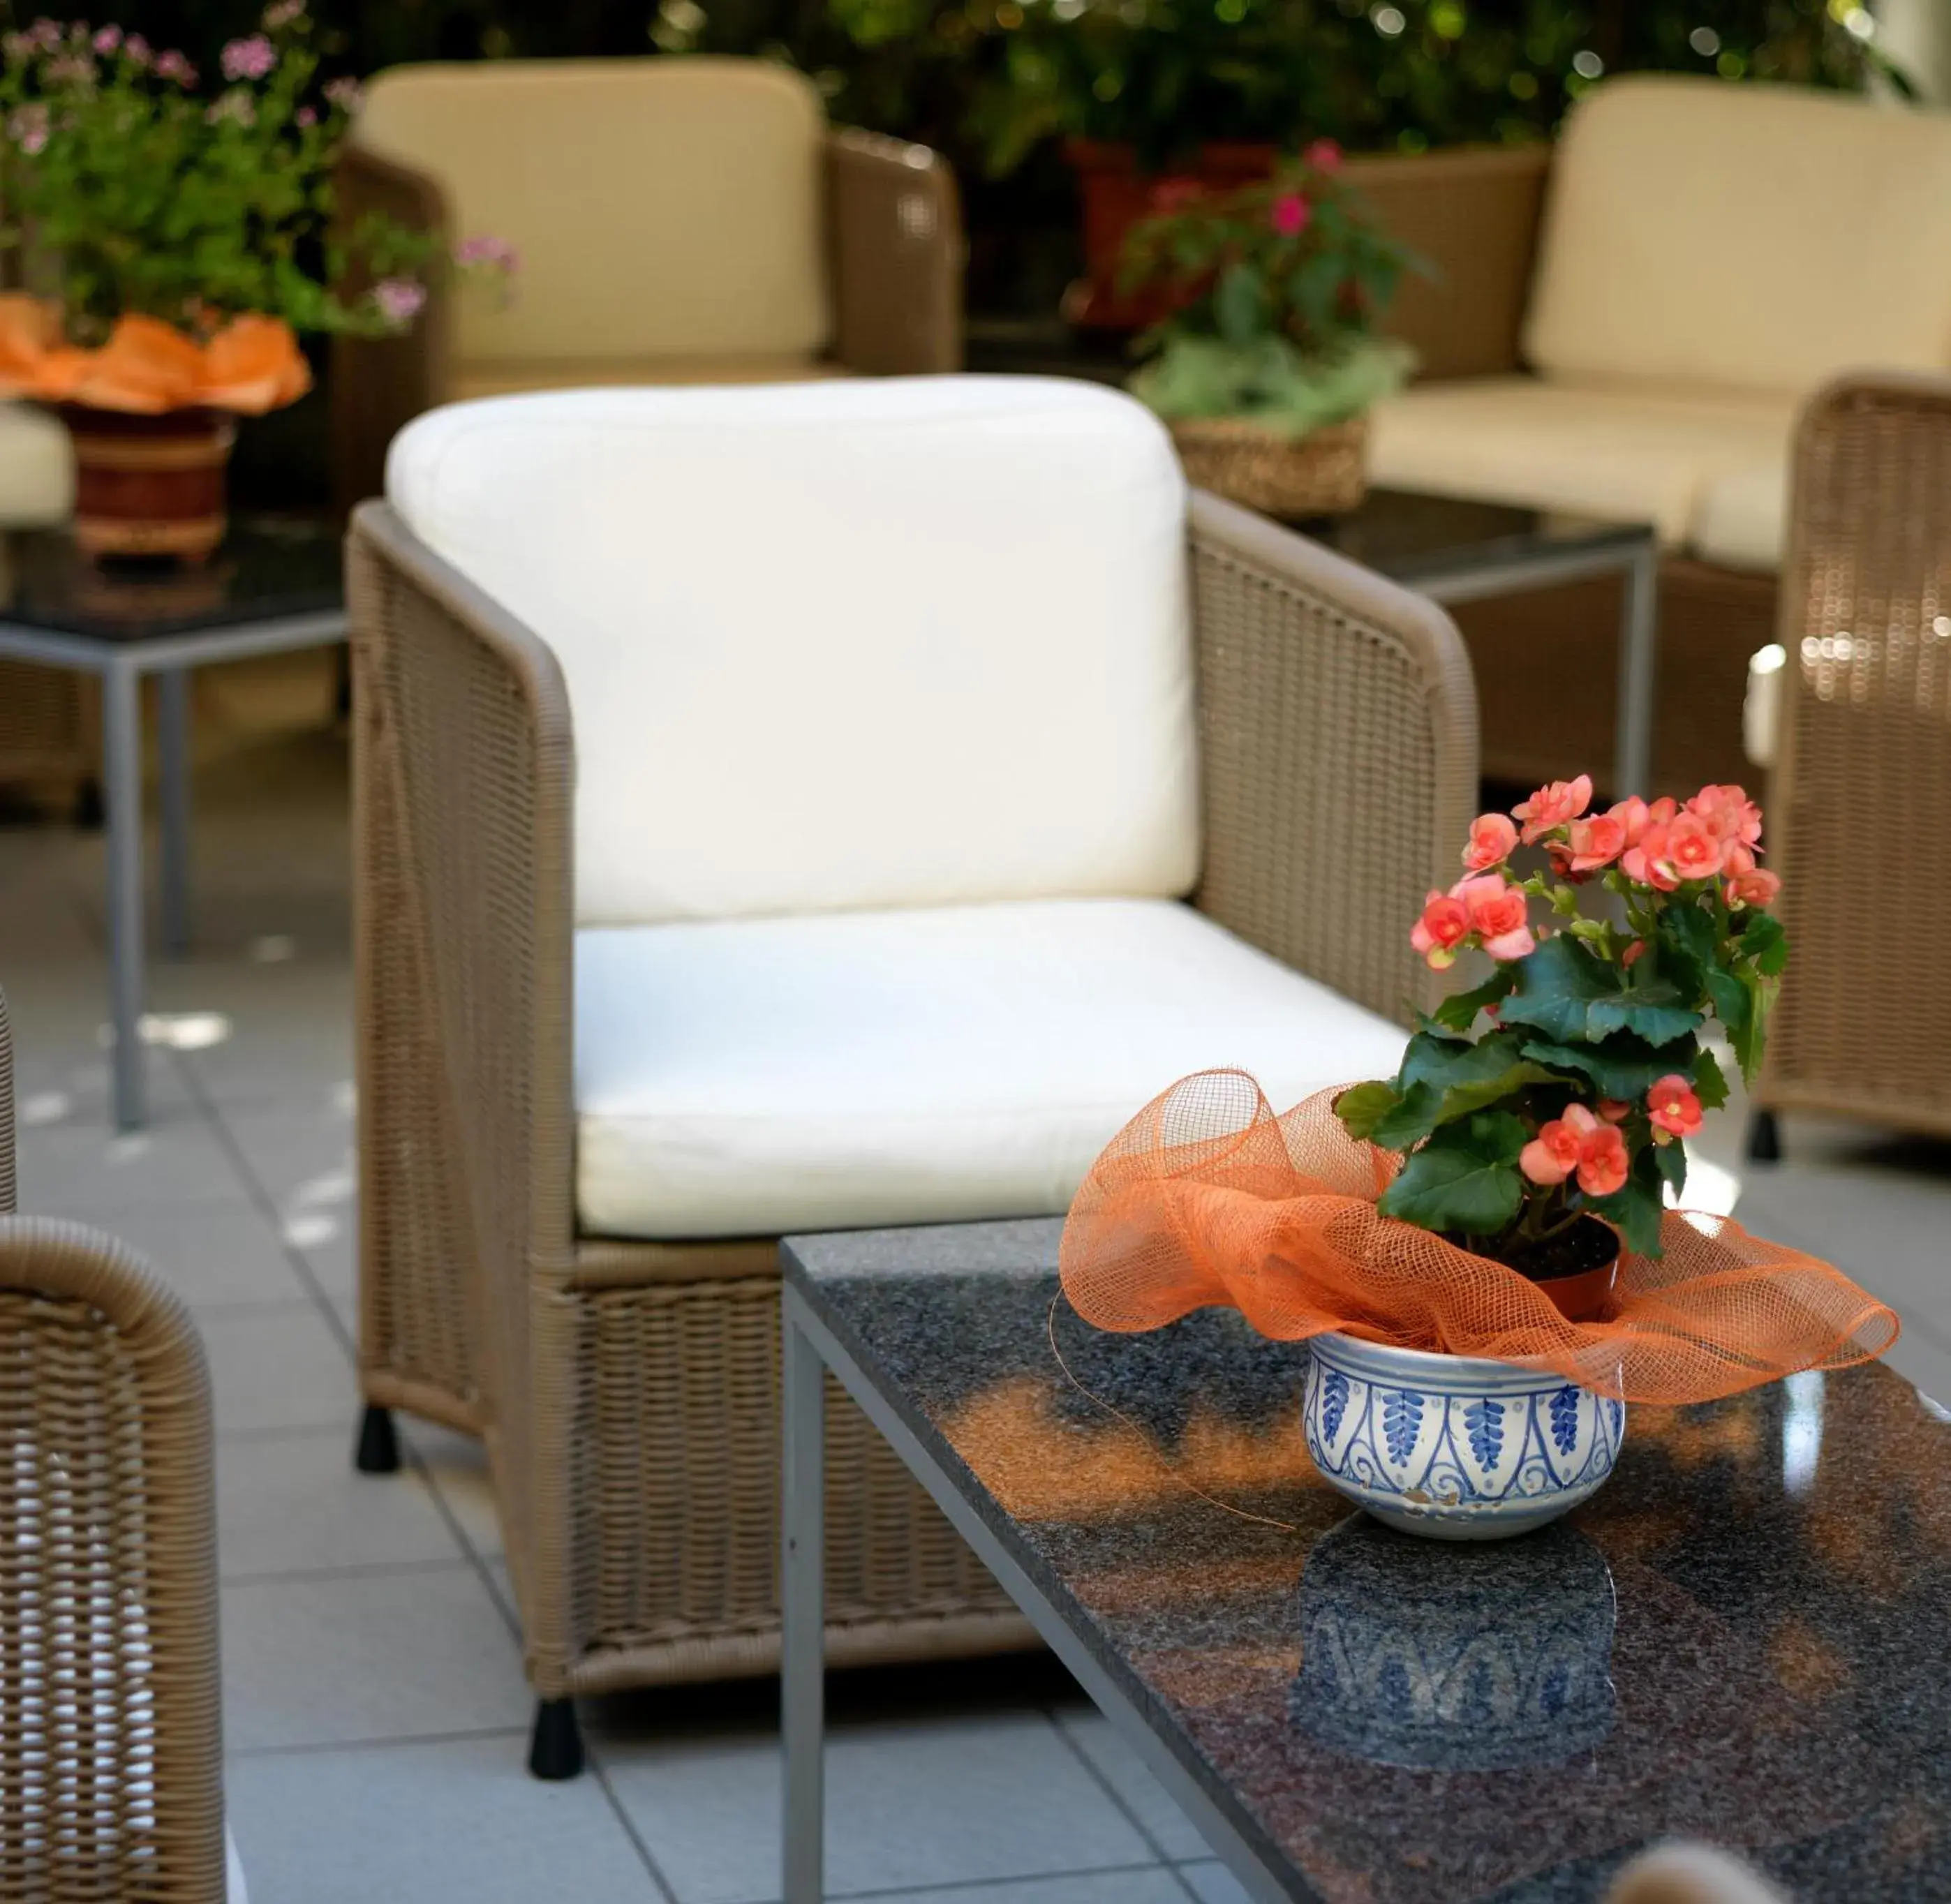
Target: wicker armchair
[1596, 272]
[680, 221]
[1859, 804]
[626, 1385]
[112, 1751]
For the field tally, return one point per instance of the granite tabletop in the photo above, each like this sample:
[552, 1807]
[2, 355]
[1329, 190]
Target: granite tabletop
[1744, 1637]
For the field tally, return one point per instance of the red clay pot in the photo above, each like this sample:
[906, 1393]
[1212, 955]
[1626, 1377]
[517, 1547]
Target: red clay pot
[149, 486]
[1116, 194]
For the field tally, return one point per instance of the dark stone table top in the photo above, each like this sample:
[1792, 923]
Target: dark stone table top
[1744, 1637]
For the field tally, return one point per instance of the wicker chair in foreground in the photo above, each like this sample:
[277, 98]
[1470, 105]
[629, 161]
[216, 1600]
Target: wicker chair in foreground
[112, 1759]
[678, 221]
[1859, 804]
[774, 809]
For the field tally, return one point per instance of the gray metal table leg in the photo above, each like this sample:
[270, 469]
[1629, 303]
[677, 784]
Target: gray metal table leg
[122, 792]
[1639, 652]
[172, 690]
[802, 1638]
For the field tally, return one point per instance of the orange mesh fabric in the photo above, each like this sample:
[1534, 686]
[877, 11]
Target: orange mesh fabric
[1209, 1198]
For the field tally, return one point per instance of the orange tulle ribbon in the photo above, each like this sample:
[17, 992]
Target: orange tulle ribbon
[1208, 1199]
[252, 365]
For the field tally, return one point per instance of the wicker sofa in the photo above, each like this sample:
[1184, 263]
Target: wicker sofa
[112, 1755]
[1856, 723]
[773, 813]
[1625, 325]
[678, 221]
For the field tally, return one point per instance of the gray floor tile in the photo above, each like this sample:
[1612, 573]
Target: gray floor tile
[299, 1153]
[212, 1254]
[1142, 1886]
[291, 1504]
[278, 1368]
[83, 1166]
[909, 1805]
[457, 1465]
[1158, 1815]
[1214, 1884]
[364, 1657]
[458, 1819]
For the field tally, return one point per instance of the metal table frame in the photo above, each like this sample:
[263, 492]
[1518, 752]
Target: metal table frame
[120, 664]
[809, 1348]
[1633, 553]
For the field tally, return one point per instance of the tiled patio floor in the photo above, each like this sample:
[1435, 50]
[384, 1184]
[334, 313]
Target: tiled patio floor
[376, 1710]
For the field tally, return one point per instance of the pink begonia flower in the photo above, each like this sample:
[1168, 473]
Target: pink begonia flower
[399, 299]
[1553, 805]
[1323, 155]
[248, 59]
[1729, 813]
[1602, 1161]
[172, 65]
[1692, 850]
[1553, 1155]
[1444, 926]
[1595, 842]
[1632, 955]
[1614, 1110]
[1753, 887]
[1290, 214]
[1674, 1108]
[108, 40]
[1498, 915]
[1493, 840]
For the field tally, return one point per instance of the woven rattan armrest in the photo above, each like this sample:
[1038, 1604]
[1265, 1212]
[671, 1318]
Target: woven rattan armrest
[1338, 734]
[379, 384]
[107, 1579]
[7, 1187]
[895, 255]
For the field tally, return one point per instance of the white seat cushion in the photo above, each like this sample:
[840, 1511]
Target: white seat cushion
[1740, 519]
[1757, 237]
[756, 1077]
[1623, 456]
[901, 641]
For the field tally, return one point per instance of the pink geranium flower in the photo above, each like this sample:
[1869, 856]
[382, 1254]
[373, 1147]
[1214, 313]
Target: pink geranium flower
[1444, 926]
[248, 59]
[107, 39]
[399, 299]
[1553, 805]
[1674, 1107]
[1290, 214]
[1323, 155]
[1498, 915]
[1493, 840]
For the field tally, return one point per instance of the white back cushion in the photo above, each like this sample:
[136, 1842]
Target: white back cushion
[662, 207]
[1754, 237]
[902, 642]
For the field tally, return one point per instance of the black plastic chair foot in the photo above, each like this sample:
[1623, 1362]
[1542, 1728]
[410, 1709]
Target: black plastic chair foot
[555, 1746]
[379, 1449]
[1764, 1137]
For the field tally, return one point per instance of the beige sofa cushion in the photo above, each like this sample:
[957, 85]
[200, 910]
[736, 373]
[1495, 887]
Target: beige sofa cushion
[1752, 237]
[636, 372]
[662, 207]
[1620, 455]
[1741, 519]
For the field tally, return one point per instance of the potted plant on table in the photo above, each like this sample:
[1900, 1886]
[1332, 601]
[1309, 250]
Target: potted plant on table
[1266, 369]
[173, 244]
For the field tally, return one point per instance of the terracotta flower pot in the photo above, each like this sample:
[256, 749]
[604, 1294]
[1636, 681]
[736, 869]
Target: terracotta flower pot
[149, 486]
[1116, 194]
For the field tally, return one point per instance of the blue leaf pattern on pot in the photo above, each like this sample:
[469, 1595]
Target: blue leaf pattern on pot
[1402, 1416]
[1334, 1401]
[1461, 1447]
[1484, 1422]
[1565, 1419]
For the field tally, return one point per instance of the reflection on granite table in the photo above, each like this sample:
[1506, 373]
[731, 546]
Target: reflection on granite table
[1744, 1638]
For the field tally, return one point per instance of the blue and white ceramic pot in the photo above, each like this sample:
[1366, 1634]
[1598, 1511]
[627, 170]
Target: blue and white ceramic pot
[1446, 1445]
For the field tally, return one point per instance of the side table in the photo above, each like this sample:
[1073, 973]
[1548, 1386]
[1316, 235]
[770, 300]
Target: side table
[272, 587]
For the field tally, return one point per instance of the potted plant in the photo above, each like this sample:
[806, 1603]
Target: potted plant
[173, 245]
[1266, 369]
